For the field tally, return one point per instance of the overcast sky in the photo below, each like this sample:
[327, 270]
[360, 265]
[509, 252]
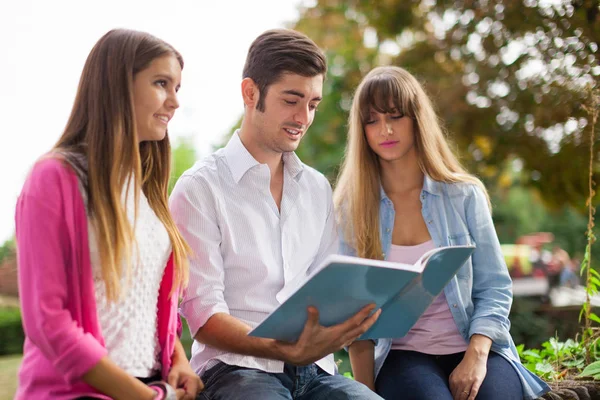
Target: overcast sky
[45, 44]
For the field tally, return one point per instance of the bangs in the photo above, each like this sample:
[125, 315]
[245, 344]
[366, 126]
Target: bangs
[382, 93]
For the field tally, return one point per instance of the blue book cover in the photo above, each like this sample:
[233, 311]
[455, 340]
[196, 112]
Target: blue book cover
[344, 285]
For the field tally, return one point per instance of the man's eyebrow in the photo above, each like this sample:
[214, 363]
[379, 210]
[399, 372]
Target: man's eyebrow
[300, 94]
[294, 93]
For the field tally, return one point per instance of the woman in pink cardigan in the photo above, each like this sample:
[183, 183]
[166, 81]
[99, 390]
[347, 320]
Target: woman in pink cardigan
[100, 259]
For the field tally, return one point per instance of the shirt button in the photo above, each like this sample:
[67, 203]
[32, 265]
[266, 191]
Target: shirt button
[454, 305]
[383, 255]
[387, 230]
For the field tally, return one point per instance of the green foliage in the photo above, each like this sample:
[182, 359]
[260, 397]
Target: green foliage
[186, 338]
[476, 60]
[555, 359]
[8, 249]
[184, 156]
[11, 331]
[592, 370]
[592, 282]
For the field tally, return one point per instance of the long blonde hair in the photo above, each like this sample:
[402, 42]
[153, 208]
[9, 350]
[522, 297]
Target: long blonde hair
[357, 193]
[101, 129]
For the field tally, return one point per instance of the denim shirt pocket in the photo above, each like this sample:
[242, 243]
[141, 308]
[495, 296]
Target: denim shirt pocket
[462, 239]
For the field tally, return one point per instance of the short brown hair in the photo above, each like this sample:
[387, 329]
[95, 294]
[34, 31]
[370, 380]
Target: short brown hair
[278, 51]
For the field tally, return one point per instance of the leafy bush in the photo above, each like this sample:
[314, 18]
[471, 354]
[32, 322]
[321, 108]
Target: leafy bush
[11, 331]
[592, 370]
[557, 360]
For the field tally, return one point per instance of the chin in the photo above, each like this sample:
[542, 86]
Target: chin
[290, 148]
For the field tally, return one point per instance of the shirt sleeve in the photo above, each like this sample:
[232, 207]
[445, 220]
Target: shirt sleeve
[194, 209]
[44, 257]
[492, 286]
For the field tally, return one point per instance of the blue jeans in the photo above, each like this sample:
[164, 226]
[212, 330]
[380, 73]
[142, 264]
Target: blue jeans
[230, 382]
[410, 375]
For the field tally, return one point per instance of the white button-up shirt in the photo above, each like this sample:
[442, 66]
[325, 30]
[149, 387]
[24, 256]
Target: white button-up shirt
[249, 256]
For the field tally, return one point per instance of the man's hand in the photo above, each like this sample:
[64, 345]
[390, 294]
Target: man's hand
[317, 341]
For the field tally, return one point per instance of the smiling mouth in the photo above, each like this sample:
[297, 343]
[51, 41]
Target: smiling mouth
[163, 118]
[294, 132]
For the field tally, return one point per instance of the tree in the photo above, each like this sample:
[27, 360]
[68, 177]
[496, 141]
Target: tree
[508, 78]
[8, 250]
[183, 157]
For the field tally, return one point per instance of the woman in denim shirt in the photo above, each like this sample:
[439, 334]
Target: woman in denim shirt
[401, 191]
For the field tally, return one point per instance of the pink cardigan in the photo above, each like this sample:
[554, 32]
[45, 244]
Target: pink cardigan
[63, 338]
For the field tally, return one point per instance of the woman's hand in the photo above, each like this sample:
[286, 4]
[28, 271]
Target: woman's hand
[467, 377]
[183, 377]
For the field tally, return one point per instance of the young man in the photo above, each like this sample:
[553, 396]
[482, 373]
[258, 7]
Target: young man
[259, 221]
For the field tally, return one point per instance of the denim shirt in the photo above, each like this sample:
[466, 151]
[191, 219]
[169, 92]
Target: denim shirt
[480, 295]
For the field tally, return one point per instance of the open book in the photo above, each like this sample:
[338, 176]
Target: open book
[344, 285]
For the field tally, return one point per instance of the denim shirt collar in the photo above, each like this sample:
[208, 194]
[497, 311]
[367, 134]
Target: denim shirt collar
[429, 185]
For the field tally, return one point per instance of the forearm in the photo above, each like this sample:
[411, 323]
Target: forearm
[225, 332]
[111, 380]
[178, 353]
[362, 360]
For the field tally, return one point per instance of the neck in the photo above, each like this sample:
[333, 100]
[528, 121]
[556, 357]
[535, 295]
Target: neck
[273, 159]
[401, 176]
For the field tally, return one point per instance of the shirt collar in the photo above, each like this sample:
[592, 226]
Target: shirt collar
[292, 164]
[429, 185]
[240, 160]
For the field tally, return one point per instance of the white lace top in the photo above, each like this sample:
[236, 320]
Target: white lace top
[129, 326]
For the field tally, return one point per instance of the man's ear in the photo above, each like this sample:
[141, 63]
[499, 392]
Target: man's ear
[250, 93]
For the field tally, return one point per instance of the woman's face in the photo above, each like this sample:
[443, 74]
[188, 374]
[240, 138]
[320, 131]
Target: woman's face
[155, 97]
[390, 135]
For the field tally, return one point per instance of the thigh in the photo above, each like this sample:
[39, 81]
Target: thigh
[336, 387]
[229, 382]
[501, 381]
[408, 375]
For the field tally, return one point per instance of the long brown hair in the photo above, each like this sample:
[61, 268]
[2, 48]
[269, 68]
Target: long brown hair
[102, 129]
[357, 193]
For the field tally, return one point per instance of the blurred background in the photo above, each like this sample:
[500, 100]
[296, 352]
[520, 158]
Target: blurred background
[513, 82]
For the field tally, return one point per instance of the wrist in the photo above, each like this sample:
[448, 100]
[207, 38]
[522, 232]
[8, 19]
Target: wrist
[163, 391]
[479, 345]
[281, 351]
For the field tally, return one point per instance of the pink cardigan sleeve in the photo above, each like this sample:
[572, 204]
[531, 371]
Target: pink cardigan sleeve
[47, 272]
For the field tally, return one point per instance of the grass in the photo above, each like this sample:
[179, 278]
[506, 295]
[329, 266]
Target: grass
[8, 376]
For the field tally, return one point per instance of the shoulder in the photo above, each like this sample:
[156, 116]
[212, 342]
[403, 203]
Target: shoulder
[200, 182]
[465, 191]
[315, 178]
[47, 174]
[205, 170]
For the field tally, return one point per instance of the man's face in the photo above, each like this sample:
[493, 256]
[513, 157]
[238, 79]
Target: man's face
[290, 107]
